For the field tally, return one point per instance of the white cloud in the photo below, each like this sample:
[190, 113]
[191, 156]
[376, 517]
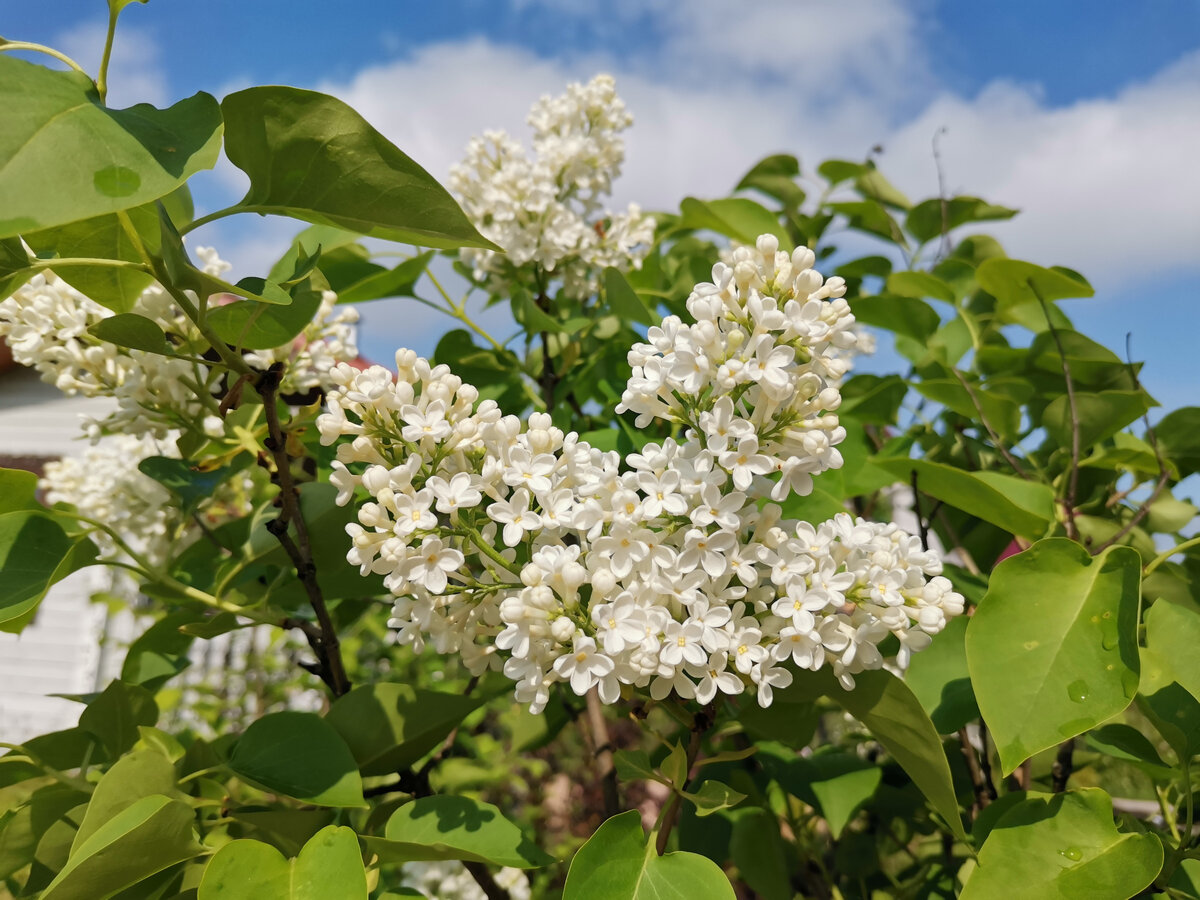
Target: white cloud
[1108, 186]
[135, 71]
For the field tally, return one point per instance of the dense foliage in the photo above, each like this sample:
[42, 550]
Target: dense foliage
[615, 607]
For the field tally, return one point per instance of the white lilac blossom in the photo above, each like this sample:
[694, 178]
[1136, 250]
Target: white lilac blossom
[103, 482]
[46, 323]
[450, 880]
[547, 212]
[527, 551]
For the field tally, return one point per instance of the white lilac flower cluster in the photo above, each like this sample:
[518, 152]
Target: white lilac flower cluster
[450, 880]
[524, 549]
[104, 483]
[46, 323]
[548, 211]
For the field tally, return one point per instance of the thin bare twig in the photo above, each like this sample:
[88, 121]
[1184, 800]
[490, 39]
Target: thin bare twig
[700, 724]
[922, 522]
[326, 646]
[978, 784]
[602, 749]
[1164, 474]
[996, 442]
[1073, 475]
[1064, 765]
[944, 244]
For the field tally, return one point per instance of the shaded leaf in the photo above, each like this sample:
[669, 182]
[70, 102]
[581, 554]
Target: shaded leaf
[449, 827]
[301, 755]
[1020, 507]
[390, 726]
[132, 331]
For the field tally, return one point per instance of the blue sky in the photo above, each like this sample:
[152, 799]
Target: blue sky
[1085, 115]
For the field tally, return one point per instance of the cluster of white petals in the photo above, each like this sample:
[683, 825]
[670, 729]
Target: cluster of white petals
[103, 482]
[46, 323]
[450, 880]
[548, 211]
[525, 550]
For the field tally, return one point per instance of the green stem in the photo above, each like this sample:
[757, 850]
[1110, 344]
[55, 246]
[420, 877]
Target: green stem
[1167, 554]
[211, 217]
[458, 310]
[76, 783]
[69, 261]
[102, 77]
[491, 552]
[42, 48]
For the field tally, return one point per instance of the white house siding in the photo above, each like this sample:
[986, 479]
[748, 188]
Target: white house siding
[59, 653]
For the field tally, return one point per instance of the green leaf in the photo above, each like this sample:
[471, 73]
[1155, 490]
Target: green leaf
[132, 777]
[1172, 632]
[390, 726]
[1052, 648]
[1020, 507]
[103, 237]
[18, 490]
[1100, 415]
[191, 485]
[633, 765]
[531, 316]
[1002, 413]
[930, 218]
[623, 299]
[775, 176]
[1179, 438]
[940, 680]
[14, 266]
[618, 863]
[1174, 712]
[1125, 742]
[328, 866]
[261, 326]
[312, 157]
[841, 784]
[115, 714]
[713, 796]
[760, 855]
[449, 827]
[1168, 515]
[1064, 847]
[1016, 285]
[920, 285]
[735, 217]
[893, 715]
[132, 331]
[35, 552]
[397, 282]
[150, 835]
[873, 398]
[872, 185]
[835, 171]
[160, 652]
[871, 217]
[64, 156]
[301, 755]
[904, 315]
[22, 827]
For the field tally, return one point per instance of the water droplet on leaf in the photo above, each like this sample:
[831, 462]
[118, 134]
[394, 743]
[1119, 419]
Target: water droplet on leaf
[1078, 690]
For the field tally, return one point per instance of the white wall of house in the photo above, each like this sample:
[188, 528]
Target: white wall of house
[59, 653]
